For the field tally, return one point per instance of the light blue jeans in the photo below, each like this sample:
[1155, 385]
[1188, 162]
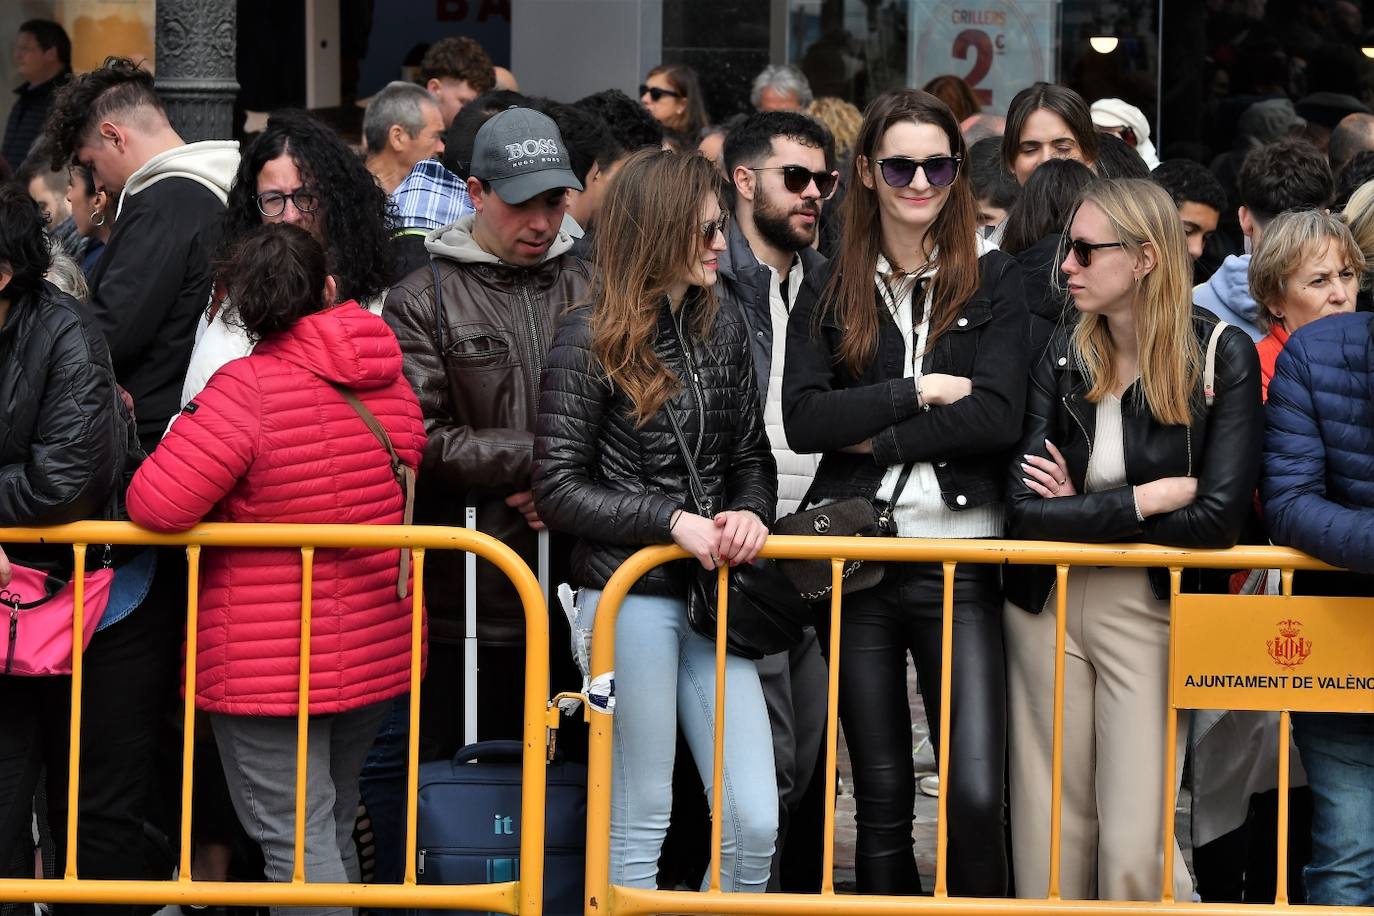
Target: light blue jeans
[665, 676]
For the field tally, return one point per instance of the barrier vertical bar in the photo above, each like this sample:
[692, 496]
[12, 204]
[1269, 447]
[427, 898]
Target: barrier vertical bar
[303, 714]
[188, 719]
[946, 664]
[1166, 891]
[417, 613]
[78, 658]
[1061, 614]
[1285, 777]
[832, 726]
[718, 749]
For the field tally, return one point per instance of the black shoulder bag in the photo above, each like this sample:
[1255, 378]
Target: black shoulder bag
[766, 615]
[856, 516]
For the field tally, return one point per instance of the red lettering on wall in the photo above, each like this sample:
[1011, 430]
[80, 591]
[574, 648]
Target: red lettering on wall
[979, 42]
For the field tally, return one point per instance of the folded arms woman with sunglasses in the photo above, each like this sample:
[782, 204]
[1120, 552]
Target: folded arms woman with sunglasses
[906, 365]
[1120, 444]
[655, 351]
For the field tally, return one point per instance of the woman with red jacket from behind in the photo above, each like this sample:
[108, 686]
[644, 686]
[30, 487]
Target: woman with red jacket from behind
[273, 439]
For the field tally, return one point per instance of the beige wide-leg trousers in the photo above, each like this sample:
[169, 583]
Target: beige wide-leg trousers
[1115, 697]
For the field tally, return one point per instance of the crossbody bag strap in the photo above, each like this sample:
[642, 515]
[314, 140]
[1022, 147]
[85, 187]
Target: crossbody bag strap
[694, 483]
[1209, 368]
[404, 474]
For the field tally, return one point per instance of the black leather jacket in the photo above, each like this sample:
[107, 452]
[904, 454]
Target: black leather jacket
[826, 409]
[67, 444]
[1221, 448]
[615, 485]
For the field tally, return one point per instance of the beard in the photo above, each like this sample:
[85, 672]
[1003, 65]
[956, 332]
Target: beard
[775, 225]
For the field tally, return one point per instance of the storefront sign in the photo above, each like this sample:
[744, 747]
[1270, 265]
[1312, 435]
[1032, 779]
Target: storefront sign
[1271, 652]
[999, 47]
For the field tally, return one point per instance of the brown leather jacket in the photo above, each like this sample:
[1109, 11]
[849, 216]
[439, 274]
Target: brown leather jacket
[476, 374]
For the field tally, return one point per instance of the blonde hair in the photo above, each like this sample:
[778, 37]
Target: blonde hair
[1142, 213]
[1359, 216]
[843, 121]
[1287, 241]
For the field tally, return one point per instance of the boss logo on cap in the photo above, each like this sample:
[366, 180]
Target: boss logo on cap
[516, 151]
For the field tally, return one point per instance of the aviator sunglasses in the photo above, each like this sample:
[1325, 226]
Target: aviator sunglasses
[1083, 251]
[657, 94]
[898, 171]
[795, 178]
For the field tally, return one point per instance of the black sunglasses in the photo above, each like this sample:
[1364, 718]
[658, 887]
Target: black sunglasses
[272, 204]
[796, 178]
[1083, 251]
[898, 171]
[709, 230]
[657, 94]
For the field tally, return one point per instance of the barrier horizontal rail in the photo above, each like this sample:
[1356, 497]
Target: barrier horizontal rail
[522, 897]
[604, 899]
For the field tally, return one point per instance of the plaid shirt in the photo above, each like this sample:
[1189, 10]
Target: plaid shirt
[431, 197]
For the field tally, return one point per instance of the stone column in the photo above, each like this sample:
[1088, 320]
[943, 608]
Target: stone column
[196, 48]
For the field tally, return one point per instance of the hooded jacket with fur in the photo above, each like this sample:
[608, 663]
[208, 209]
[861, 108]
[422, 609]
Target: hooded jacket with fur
[153, 281]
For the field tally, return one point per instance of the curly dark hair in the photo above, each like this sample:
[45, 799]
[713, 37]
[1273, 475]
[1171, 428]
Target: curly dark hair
[356, 217]
[459, 58]
[23, 243]
[630, 123]
[1188, 181]
[119, 85]
[274, 276]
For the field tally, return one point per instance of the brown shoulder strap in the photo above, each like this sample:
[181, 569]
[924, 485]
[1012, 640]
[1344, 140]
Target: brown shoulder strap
[404, 474]
[1209, 366]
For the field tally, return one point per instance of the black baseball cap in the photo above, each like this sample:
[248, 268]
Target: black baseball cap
[521, 154]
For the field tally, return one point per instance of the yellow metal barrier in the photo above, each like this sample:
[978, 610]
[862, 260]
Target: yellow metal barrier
[522, 897]
[604, 899]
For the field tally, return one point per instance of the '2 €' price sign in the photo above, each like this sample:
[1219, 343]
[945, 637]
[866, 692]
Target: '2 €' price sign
[998, 46]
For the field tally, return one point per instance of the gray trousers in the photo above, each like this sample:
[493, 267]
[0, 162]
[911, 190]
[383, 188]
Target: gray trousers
[259, 756]
[794, 688]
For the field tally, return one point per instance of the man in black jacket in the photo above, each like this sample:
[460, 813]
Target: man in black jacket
[779, 165]
[153, 282]
[43, 57]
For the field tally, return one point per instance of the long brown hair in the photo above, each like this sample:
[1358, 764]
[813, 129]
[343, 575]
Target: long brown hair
[849, 295]
[647, 233]
[955, 93]
[1170, 359]
[1056, 99]
[685, 81]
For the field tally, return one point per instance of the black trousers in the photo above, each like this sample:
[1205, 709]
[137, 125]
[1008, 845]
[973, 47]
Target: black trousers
[129, 676]
[879, 628]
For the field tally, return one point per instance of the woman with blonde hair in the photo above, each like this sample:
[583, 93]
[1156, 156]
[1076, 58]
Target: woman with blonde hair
[646, 389]
[843, 121]
[1306, 266]
[1121, 443]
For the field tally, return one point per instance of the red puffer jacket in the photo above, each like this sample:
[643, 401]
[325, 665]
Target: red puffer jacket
[270, 440]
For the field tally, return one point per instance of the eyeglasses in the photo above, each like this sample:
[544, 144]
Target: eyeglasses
[796, 178]
[898, 171]
[273, 203]
[709, 230]
[1083, 251]
[657, 94]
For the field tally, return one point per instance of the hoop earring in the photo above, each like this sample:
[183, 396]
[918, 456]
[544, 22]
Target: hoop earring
[97, 222]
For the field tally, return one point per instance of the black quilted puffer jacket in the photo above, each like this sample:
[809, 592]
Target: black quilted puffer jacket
[66, 441]
[615, 486]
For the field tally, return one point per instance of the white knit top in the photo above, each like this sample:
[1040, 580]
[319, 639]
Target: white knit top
[795, 472]
[1107, 456]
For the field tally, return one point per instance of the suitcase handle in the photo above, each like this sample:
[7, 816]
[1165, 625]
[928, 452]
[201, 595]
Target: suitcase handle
[490, 750]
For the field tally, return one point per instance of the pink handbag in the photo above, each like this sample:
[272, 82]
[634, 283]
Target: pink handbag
[39, 609]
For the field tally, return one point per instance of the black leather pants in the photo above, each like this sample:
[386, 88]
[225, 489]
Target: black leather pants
[879, 627]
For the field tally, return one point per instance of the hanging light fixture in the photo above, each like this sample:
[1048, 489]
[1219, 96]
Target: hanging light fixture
[1106, 44]
[1367, 51]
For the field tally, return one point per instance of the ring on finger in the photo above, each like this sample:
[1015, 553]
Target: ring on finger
[1060, 482]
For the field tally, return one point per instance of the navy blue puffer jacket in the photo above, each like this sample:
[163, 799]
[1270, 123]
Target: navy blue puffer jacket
[1318, 484]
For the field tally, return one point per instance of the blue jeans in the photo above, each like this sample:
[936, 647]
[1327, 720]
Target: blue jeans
[665, 676]
[1338, 754]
